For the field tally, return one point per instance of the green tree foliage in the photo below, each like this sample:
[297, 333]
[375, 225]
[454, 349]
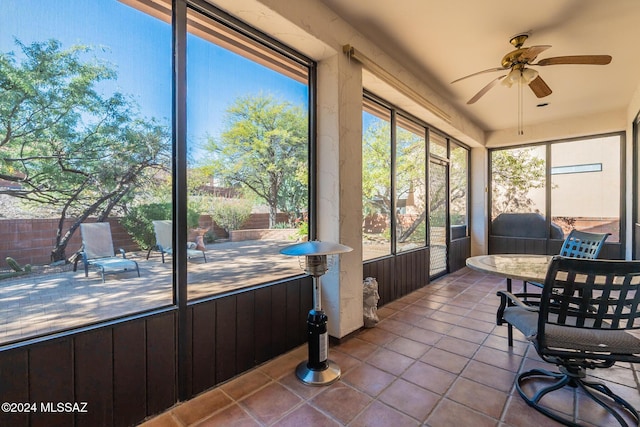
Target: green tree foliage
[376, 169]
[514, 173]
[230, 214]
[67, 146]
[139, 221]
[263, 148]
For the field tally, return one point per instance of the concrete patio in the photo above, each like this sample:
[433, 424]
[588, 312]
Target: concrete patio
[37, 304]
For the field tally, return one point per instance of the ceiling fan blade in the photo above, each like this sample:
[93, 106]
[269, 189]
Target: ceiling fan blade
[490, 70]
[539, 87]
[532, 52]
[485, 90]
[576, 59]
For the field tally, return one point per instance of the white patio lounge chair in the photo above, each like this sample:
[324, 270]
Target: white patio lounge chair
[164, 242]
[97, 250]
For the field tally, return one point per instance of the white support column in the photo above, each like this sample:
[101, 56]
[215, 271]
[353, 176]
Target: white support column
[479, 202]
[340, 188]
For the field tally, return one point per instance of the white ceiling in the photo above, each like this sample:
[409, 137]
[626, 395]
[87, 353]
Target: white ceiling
[442, 40]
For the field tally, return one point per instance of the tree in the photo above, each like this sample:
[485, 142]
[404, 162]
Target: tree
[66, 145]
[263, 147]
[376, 169]
[514, 173]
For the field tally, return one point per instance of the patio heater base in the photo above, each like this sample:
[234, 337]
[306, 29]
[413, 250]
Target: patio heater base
[325, 376]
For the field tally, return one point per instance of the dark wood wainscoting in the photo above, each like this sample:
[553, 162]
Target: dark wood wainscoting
[233, 334]
[404, 273]
[459, 251]
[124, 372]
[399, 275]
[127, 371]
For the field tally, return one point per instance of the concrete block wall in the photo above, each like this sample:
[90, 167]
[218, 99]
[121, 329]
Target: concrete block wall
[29, 241]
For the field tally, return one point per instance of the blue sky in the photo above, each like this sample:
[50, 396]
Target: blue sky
[139, 46]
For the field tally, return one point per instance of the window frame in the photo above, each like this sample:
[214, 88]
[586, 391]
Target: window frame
[547, 145]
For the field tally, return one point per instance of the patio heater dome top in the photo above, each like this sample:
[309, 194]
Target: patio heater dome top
[315, 247]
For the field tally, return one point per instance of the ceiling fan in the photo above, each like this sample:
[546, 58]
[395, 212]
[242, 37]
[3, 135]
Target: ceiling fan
[519, 61]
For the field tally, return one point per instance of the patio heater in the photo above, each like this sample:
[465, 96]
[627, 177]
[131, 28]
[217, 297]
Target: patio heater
[318, 370]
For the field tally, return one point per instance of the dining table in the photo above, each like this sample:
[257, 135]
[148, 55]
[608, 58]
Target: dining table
[525, 267]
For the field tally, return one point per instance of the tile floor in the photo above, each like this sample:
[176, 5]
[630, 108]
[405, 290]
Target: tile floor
[435, 359]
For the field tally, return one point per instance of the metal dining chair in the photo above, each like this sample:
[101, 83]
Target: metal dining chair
[580, 322]
[579, 244]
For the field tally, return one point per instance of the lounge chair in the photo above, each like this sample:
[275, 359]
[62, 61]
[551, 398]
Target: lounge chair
[97, 250]
[164, 241]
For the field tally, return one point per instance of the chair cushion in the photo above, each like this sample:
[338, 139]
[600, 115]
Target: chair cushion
[608, 341]
[114, 264]
[524, 320]
[567, 337]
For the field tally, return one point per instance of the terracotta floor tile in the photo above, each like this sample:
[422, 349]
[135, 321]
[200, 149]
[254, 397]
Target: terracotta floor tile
[357, 348]
[395, 326]
[461, 347]
[424, 336]
[435, 325]
[500, 343]
[341, 401]
[246, 384]
[519, 414]
[419, 310]
[445, 360]
[344, 361]
[201, 406]
[270, 403]
[481, 315]
[369, 379]
[408, 347]
[410, 399]
[449, 413]
[164, 420]
[384, 312]
[479, 397]
[500, 379]
[390, 361]
[467, 334]
[429, 377]
[454, 319]
[232, 416]
[477, 325]
[408, 317]
[501, 359]
[282, 365]
[303, 390]
[377, 336]
[428, 303]
[381, 415]
[306, 416]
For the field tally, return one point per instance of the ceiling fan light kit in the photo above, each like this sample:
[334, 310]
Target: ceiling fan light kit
[518, 61]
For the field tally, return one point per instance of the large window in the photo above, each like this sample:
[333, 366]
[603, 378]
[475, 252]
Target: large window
[376, 180]
[87, 136]
[410, 185]
[403, 210]
[459, 191]
[581, 179]
[518, 182]
[248, 165]
[592, 164]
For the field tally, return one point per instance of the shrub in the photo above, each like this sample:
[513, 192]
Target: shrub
[230, 214]
[139, 225]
